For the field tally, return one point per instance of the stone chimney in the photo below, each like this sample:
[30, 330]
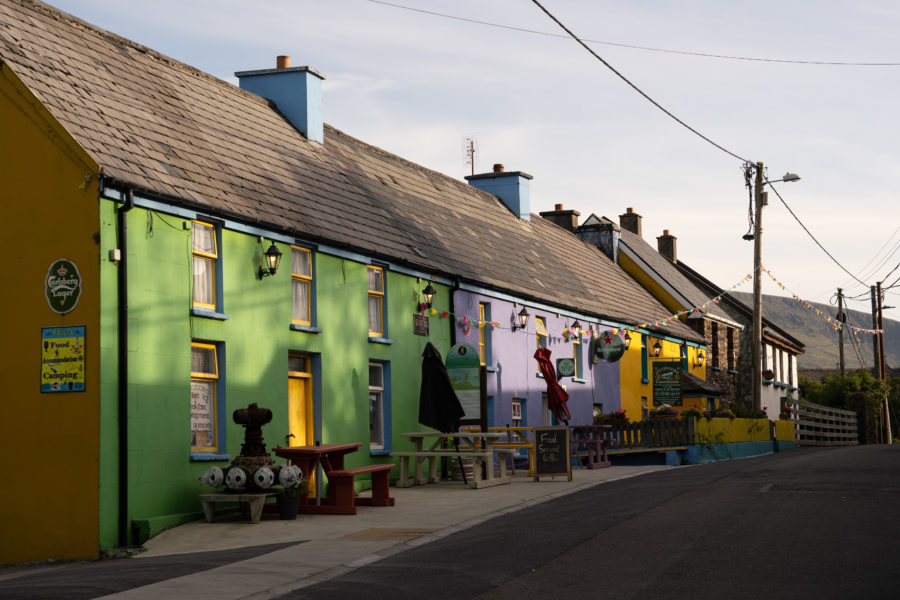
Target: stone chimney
[297, 91]
[567, 219]
[512, 188]
[602, 234]
[630, 221]
[666, 246]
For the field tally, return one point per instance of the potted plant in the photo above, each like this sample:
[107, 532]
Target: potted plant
[612, 418]
[693, 412]
[663, 412]
[785, 413]
[291, 479]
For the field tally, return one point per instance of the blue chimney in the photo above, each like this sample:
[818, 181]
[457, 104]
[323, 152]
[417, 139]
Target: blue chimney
[512, 188]
[297, 91]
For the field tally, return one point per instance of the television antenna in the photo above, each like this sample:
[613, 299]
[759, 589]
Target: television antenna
[470, 152]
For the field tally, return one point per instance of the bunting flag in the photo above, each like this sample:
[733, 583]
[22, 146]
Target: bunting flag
[835, 324]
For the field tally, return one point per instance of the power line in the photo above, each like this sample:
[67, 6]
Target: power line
[636, 88]
[796, 218]
[646, 48]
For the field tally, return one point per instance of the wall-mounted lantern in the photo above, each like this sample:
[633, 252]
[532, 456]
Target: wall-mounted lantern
[657, 348]
[272, 258]
[429, 293]
[627, 340]
[698, 361]
[522, 318]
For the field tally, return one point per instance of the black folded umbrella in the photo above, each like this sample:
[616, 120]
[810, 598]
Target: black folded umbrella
[439, 407]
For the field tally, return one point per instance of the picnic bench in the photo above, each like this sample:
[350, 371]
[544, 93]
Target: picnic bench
[477, 446]
[588, 442]
[339, 493]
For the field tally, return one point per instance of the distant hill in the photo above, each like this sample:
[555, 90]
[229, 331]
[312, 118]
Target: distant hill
[820, 339]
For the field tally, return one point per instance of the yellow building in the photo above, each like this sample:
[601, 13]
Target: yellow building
[51, 302]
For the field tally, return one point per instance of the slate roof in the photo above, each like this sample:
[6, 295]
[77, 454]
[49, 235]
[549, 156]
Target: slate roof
[173, 131]
[666, 272]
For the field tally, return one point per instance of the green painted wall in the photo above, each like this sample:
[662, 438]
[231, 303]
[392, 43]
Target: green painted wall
[257, 339]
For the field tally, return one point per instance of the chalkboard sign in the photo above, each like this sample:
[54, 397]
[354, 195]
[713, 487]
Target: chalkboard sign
[551, 452]
[667, 382]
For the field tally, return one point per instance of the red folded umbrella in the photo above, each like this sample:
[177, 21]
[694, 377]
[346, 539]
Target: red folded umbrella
[556, 396]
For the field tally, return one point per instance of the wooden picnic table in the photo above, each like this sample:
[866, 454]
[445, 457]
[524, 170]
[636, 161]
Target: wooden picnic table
[339, 498]
[590, 442]
[477, 445]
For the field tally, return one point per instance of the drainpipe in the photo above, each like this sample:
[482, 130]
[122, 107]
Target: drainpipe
[123, 366]
[453, 291]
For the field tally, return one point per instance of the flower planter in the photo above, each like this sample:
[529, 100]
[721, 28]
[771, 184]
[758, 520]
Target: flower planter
[664, 418]
[288, 505]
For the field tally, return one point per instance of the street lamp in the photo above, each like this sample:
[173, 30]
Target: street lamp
[760, 199]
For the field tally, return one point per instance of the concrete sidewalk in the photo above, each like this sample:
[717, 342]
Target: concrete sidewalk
[326, 546]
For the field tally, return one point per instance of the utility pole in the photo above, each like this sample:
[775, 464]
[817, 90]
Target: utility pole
[885, 411]
[842, 320]
[759, 199]
[875, 341]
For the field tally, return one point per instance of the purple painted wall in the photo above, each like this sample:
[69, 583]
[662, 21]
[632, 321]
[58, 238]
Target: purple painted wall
[512, 369]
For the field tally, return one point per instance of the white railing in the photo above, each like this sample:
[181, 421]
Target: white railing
[819, 425]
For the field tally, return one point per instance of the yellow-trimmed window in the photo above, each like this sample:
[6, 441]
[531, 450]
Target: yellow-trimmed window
[576, 354]
[301, 279]
[481, 323]
[376, 301]
[540, 325]
[205, 254]
[204, 380]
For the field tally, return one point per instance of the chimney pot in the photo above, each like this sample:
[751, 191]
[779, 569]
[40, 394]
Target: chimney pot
[498, 168]
[283, 62]
[558, 207]
[630, 221]
[666, 244]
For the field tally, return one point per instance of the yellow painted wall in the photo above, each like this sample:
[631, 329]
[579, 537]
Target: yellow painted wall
[785, 431]
[719, 431]
[649, 284]
[633, 388]
[50, 444]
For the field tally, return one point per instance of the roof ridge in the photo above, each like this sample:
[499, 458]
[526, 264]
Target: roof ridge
[394, 157]
[70, 19]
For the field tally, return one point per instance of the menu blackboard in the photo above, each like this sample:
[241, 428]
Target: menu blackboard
[551, 452]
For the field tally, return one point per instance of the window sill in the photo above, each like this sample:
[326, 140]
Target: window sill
[716, 369]
[209, 456]
[579, 380]
[208, 314]
[380, 340]
[305, 328]
[379, 452]
[490, 369]
[644, 380]
[541, 375]
[732, 371]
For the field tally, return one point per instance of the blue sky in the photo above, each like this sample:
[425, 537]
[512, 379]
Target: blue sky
[417, 84]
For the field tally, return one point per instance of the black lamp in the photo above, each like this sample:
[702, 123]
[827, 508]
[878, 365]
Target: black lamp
[522, 318]
[576, 327]
[272, 258]
[657, 348]
[700, 358]
[429, 293]
[627, 340]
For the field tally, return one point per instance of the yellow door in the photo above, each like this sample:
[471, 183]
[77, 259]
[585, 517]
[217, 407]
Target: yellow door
[300, 409]
[300, 406]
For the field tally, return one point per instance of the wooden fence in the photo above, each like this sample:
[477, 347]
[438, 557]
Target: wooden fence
[650, 434]
[819, 425]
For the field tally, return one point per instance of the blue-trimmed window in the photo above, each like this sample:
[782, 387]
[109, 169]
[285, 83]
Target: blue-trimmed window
[644, 361]
[207, 408]
[540, 326]
[303, 304]
[576, 356]
[379, 407]
[206, 258]
[484, 333]
[377, 325]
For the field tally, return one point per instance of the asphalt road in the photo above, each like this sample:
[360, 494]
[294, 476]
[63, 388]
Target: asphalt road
[804, 524]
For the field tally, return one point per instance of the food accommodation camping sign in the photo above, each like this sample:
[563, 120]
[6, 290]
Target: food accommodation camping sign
[667, 382]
